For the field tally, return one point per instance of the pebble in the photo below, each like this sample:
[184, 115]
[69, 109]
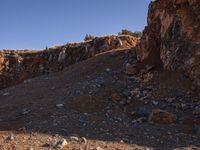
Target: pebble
[162, 117]
[115, 97]
[99, 148]
[131, 69]
[108, 69]
[59, 105]
[140, 120]
[196, 110]
[27, 81]
[84, 140]
[25, 111]
[74, 138]
[59, 144]
[155, 102]
[11, 137]
[126, 93]
[142, 111]
[6, 94]
[197, 129]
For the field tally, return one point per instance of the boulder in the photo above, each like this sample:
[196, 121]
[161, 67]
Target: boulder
[162, 117]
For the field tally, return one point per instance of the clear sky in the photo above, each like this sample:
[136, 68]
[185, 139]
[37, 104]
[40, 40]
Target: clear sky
[35, 24]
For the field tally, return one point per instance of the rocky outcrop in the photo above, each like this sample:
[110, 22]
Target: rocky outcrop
[172, 38]
[17, 66]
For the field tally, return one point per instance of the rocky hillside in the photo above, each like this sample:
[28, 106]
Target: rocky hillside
[110, 93]
[17, 66]
[172, 37]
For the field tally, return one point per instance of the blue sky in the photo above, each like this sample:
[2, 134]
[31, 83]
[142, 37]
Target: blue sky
[35, 24]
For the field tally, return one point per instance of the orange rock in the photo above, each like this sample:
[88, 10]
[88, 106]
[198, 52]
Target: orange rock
[131, 69]
[115, 97]
[162, 117]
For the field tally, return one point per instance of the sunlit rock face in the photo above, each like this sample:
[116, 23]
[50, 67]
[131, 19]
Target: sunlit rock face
[18, 66]
[172, 37]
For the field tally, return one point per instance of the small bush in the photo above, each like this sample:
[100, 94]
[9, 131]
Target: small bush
[128, 32]
[88, 37]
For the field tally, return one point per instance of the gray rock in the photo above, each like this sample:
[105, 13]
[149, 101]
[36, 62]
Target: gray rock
[10, 137]
[126, 93]
[142, 111]
[25, 111]
[196, 110]
[58, 144]
[59, 105]
[6, 94]
[108, 69]
[197, 129]
[74, 138]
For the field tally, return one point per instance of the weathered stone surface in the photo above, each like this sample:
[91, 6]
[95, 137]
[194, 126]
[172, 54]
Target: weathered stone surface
[115, 97]
[162, 117]
[131, 69]
[18, 66]
[58, 144]
[172, 37]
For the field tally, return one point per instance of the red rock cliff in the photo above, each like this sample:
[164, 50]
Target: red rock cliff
[172, 37]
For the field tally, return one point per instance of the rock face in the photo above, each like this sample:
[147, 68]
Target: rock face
[17, 66]
[172, 38]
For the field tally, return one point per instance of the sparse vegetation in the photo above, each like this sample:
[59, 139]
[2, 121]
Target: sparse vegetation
[128, 32]
[88, 37]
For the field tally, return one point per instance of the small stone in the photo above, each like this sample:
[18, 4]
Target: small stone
[155, 102]
[6, 94]
[25, 111]
[10, 138]
[126, 93]
[142, 111]
[108, 69]
[170, 100]
[149, 67]
[74, 138]
[196, 110]
[147, 77]
[136, 91]
[58, 144]
[115, 97]
[162, 117]
[128, 101]
[122, 102]
[99, 148]
[84, 140]
[131, 69]
[59, 105]
[197, 129]
[140, 120]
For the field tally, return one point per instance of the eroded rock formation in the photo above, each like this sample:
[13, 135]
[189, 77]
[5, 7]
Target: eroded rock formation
[17, 66]
[172, 37]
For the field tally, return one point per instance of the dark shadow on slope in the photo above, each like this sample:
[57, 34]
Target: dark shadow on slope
[84, 90]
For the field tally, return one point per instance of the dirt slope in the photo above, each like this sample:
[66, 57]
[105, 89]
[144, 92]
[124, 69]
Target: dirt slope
[95, 105]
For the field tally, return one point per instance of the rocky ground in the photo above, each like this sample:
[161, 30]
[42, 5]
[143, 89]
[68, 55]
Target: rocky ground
[101, 103]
